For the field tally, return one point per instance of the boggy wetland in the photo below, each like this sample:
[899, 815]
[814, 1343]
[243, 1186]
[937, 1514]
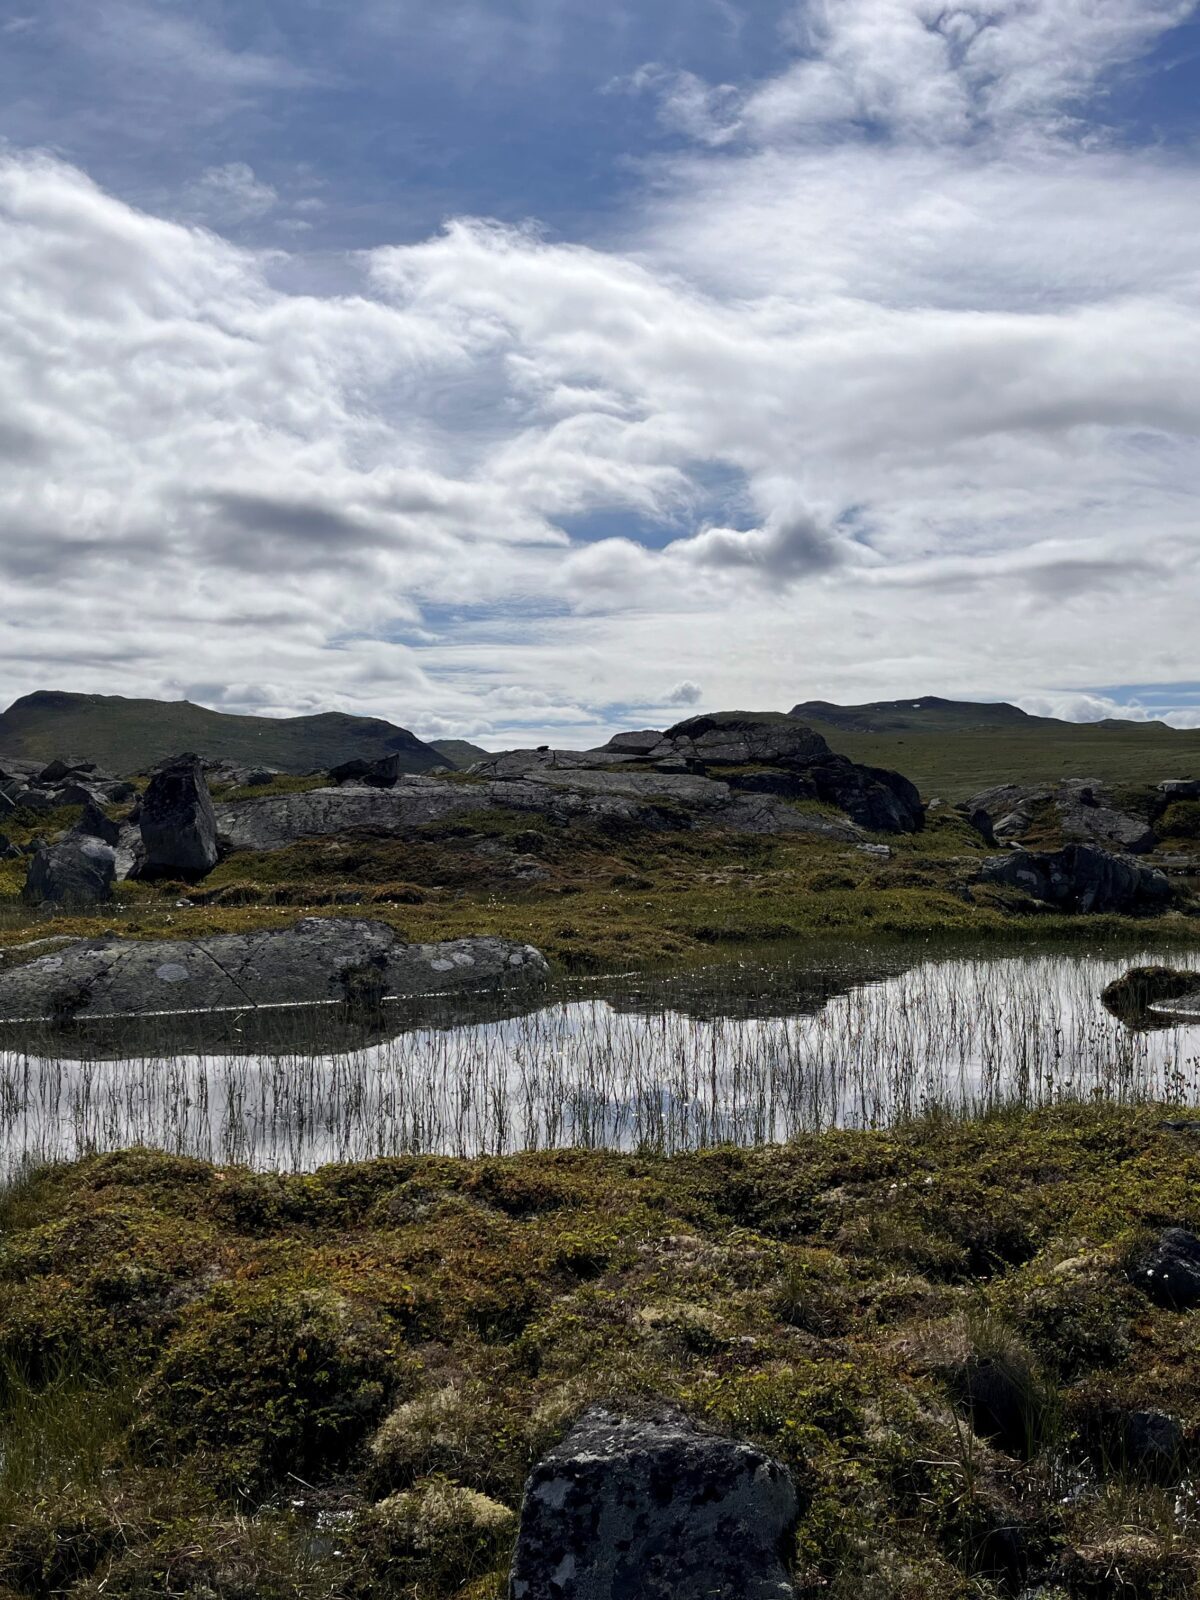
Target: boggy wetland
[751, 1051]
[706, 1166]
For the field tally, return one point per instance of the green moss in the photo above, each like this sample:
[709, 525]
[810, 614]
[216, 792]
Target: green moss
[427, 1328]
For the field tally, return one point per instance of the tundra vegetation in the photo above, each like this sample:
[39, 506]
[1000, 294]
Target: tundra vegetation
[968, 1334]
[220, 1382]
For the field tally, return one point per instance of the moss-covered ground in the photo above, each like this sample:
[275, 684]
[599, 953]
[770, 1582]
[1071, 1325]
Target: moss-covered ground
[592, 898]
[223, 1384]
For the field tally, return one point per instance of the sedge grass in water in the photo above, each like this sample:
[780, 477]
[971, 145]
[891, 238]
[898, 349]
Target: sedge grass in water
[958, 1035]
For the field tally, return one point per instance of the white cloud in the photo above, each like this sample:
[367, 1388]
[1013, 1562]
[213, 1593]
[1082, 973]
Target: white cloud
[227, 195]
[959, 380]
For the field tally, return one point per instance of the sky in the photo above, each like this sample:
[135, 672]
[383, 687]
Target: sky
[522, 370]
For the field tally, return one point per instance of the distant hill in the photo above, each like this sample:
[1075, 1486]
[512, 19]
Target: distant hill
[459, 752]
[126, 736]
[955, 748]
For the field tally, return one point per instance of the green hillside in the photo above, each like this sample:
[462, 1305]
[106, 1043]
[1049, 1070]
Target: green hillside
[954, 748]
[459, 752]
[126, 736]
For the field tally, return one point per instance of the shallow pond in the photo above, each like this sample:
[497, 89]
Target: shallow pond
[749, 1052]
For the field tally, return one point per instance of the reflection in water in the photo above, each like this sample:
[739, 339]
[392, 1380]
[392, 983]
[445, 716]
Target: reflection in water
[629, 1071]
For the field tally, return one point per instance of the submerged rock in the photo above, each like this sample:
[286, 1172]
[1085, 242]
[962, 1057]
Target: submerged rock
[1080, 879]
[73, 871]
[330, 960]
[179, 828]
[654, 1507]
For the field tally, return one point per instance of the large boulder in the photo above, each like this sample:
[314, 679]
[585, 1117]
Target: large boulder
[317, 961]
[655, 1508]
[381, 774]
[179, 827]
[73, 871]
[611, 798]
[1078, 809]
[1080, 879]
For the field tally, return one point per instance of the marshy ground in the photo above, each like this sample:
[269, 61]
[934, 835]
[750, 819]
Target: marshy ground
[218, 1382]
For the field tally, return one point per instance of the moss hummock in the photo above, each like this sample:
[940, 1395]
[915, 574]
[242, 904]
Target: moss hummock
[222, 1383]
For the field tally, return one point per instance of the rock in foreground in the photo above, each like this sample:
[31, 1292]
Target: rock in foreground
[657, 1509]
[318, 961]
[1168, 1269]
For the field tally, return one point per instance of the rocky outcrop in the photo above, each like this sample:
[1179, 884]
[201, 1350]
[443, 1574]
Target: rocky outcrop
[178, 826]
[318, 961]
[74, 871]
[1080, 879]
[768, 756]
[654, 1507]
[620, 799]
[1167, 1268]
[1080, 809]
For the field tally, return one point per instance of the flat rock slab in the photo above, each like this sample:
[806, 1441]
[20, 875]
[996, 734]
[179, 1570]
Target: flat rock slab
[654, 1508]
[277, 821]
[1186, 1007]
[318, 961]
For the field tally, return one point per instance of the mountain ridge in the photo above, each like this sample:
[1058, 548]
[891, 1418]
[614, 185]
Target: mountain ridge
[129, 735]
[953, 749]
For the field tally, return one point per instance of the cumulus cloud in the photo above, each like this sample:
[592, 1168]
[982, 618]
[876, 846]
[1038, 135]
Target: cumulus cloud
[957, 377]
[685, 694]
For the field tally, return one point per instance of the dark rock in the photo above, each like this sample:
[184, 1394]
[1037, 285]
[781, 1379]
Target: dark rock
[654, 1508]
[10, 851]
[60, 770]
[259, 777]
[1180, 789]
[1080, 879]
[93, 824]
[1152, 1442]
[179, 828]
[355, 963]
[381, 774]
[74, 871]
[25, 798]
[76, 793]
[1168, 1269]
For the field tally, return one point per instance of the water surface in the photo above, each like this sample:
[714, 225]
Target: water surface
[748, 1052]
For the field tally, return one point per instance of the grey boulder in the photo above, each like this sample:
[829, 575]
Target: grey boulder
[1080, 879]
[179, 827]
[654, 1508]
[317, 961]
[1081, 809]
[73, 871]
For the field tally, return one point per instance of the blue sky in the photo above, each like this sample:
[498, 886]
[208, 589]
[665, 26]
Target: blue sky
[520, 368]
